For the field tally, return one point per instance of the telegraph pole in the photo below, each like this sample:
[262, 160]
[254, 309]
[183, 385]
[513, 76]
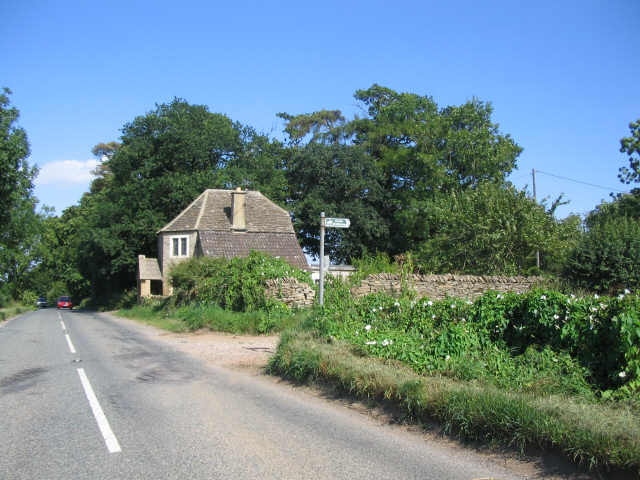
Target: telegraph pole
[535, 199]
[321, 289]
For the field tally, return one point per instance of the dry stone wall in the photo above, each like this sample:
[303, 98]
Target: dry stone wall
[290, 291]
[438, 287]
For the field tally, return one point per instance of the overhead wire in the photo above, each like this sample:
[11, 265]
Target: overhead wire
[581, 182]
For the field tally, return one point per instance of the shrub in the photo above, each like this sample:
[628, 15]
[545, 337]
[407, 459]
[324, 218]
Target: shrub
[608, 257]
[541, 341]
[29, 298]
[5, 295]
[237, 284]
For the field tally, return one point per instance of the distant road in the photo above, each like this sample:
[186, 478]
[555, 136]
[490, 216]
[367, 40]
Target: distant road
[85, 397]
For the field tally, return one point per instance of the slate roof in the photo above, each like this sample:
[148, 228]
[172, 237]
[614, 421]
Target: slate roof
[149, 269]
[212, 211]
[238, 244]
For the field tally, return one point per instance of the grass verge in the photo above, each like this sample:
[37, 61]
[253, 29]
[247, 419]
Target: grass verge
[194, 317]
[12, 310]
[589, 434]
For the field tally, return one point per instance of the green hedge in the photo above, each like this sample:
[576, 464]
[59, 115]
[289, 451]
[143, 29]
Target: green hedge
[237, 284]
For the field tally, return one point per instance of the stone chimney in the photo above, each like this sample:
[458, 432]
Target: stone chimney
[238, 210]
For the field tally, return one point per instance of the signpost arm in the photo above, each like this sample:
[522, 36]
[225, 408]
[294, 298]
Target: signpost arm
[321, 289]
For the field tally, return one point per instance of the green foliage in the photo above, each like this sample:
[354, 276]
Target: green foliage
[607, 259]
[21, 224]
[385, 170]
[631, 146]
[491, 229]
[56, 290]
[196, 316]
[5, 295]
[370, 264]
[586, 432]
[164, 160]
[237, 284]
[342, 181]
[29, 297]
[16, 177]
[542, 341]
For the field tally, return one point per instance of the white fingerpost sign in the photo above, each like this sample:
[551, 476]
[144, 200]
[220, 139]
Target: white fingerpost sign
[337, 222]
[327, 223]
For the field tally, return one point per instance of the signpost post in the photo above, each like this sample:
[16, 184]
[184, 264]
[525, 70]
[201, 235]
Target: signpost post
[327, 223]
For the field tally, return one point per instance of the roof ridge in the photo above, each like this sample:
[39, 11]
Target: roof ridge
[202, 208]
[181, 213]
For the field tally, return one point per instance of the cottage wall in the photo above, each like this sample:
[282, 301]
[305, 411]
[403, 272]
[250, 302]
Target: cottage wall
[165, 258]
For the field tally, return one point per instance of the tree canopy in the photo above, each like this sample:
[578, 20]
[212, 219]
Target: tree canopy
[20, 222]
[414, 177]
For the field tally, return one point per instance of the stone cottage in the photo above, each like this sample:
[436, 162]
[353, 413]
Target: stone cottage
[220, 223]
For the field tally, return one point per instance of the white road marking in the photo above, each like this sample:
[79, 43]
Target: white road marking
[59, 315]
[71, 349]
[110, 439]
[62, 325]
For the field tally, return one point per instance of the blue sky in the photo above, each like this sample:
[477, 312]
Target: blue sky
[562, 75]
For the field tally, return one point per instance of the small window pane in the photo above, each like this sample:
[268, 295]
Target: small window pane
[174, 251]
[183, 246]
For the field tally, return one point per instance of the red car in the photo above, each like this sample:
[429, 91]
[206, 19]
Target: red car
[65, 302]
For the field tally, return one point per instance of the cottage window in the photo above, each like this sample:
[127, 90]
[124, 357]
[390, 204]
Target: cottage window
[179, 246]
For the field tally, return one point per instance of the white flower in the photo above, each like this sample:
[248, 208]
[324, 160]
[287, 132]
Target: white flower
[573, 296]
[429, 303]
[453, 305]
[556, 316]
[373, 309]
[356, 333]
[627, 291]
[396, 304]
[603, 306]
[568, 300]
[372, 342]
[543, 297]
[596, 296]
[535, 312]
[621, 296]
[433, 317]
[469, 302]
[622, 374]
[447, 358]
[463, 320]
[499, 296]
[386, 342]
[367, 328]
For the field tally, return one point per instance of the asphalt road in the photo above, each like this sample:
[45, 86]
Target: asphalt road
[159, 414]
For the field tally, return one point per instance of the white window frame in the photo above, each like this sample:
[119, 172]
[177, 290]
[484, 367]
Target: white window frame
[182, 252]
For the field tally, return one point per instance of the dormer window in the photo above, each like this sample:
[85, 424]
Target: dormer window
[179, 246]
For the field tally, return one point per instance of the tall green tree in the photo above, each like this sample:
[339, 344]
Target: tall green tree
[20, 222]
[418, 153]
[164, 160]
[16, 175]
[631, 146]
[491, 229]
[342, 181]
[607, 258]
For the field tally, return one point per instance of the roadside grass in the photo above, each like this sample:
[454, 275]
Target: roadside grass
[151, 316]
[12, 310]
[591, 434]
[194, 317]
